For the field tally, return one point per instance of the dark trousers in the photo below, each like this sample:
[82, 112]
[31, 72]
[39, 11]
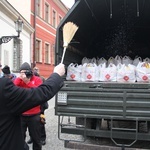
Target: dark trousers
[43, 132]
[26, 147]
[34, 126]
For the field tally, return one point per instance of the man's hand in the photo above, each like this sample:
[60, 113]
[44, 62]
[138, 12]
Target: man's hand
[42, 116]
[24, 78]
[60, 69]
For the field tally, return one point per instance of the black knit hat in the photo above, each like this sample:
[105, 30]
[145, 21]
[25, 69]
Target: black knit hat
[25, 66]
[6, 70]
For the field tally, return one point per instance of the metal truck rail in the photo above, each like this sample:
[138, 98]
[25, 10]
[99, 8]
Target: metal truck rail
[109, 101]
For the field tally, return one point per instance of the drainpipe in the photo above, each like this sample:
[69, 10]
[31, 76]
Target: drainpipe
[34, 36]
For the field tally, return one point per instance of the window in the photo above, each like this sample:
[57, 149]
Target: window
[54, 19]
[38, 7]
[60, 18]
[47, 53]
[53, 54]
[17, 54]
[38, 51]
[47, 12]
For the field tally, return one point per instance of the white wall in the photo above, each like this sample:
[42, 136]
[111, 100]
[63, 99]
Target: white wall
[6, 49]
[26, 56]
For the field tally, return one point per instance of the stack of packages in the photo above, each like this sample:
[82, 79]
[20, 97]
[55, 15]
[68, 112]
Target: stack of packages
[118, 69]
[143, 70]
[74, 72]
[88, 71]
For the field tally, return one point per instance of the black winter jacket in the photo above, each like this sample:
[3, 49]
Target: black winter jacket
[14, 101]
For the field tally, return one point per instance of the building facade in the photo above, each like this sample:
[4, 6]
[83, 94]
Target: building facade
[45, 17]
[17, 50]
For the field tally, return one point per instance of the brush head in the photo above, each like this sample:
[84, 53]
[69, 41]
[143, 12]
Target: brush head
[69, 30]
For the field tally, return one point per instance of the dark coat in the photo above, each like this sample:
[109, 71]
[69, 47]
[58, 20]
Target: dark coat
[14, 101]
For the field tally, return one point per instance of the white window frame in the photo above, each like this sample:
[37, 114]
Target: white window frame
[59, 16]
[40, 11]
[49, 53]
[48, 21]
[40, 53]
[53, 10]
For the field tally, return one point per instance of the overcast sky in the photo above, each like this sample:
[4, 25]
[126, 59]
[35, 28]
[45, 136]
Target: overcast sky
[68, 3]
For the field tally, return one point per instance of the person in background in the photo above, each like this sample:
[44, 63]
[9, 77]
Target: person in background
[36, 72]
[7, 73]
[31, 118]
[15, 100]
[43, 108]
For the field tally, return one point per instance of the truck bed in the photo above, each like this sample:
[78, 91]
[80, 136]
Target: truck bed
[124, 107]
[106, 100]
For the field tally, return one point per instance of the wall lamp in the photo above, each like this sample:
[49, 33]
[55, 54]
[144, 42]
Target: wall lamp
[18, 27]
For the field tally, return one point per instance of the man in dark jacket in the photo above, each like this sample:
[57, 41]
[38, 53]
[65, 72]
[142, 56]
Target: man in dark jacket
[15, 100]
[7, 73]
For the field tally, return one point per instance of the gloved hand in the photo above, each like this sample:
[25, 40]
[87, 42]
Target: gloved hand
[42, 116]
[60, 69]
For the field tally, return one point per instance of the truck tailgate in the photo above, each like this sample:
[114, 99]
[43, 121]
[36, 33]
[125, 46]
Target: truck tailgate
[104, 100]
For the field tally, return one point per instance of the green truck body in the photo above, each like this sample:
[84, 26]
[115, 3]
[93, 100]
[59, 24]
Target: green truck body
[106, 28]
